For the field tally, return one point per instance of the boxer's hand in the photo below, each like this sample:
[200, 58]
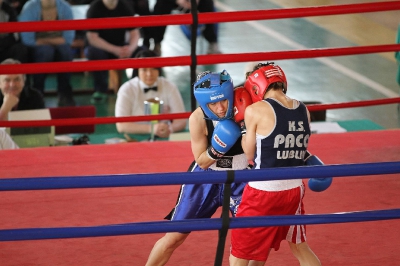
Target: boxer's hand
[225, 135]
[316, 184]
[9, 101]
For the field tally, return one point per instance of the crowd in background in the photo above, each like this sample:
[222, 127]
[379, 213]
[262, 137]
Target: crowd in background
[60, 46]
[94, 44]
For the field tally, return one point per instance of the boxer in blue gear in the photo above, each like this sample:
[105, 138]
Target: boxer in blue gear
[202, 200]
[216, 146]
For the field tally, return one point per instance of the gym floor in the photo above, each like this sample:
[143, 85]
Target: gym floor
[326, 80]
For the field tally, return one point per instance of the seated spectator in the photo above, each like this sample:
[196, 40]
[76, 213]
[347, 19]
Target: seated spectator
[10, 45]
[15, 95]
[163, 7]
[16, 5]
[148, 85]
[50, 46]
[79, 8]
[109, 43]
[6, 142]
[141, 7]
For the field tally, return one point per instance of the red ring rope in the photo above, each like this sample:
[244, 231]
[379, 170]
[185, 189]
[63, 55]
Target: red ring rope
[186, 60]
[56, 67]
[112, 120]
[319, 107]
[204, 18]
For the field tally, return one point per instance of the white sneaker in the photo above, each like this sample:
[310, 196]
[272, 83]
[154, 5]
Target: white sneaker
[213, 48]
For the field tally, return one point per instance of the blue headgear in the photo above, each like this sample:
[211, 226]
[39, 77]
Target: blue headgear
[212, 87]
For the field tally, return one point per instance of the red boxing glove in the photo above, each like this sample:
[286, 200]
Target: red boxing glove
[241, 99]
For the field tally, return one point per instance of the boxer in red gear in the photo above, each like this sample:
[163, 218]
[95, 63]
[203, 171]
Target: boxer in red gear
[278, 131]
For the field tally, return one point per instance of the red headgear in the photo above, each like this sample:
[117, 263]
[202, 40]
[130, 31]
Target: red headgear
[259, 80]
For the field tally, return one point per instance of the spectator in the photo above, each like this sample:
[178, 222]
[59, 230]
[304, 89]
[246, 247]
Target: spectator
[109, 43]
[16, 5]
[50, 46]
[15, 95]
[141, 7]
[272, 117]
[10, 45]
[163, 7]
[133, 93]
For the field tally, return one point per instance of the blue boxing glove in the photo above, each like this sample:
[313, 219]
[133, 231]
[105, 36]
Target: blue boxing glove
[316, 184]
[225, 135]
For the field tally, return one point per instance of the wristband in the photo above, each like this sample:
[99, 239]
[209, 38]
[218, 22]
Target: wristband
[213, 153]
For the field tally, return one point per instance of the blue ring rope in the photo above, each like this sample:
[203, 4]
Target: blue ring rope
[193, 225]
[69, 182]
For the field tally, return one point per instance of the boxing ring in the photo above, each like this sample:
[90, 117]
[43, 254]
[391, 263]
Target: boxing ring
[103, 204]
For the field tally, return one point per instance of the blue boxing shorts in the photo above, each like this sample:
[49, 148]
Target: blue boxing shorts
[197, 201]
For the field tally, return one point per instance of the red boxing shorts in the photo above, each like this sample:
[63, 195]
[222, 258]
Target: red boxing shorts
[255, 243]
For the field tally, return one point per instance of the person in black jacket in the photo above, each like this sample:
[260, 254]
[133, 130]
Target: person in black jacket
[163, 7]
[104, 44]
[15, 95]
[10, 44]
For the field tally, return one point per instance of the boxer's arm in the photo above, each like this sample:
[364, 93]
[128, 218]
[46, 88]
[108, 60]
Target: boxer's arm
[316, 184]
[249, 139]
[198, 138]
